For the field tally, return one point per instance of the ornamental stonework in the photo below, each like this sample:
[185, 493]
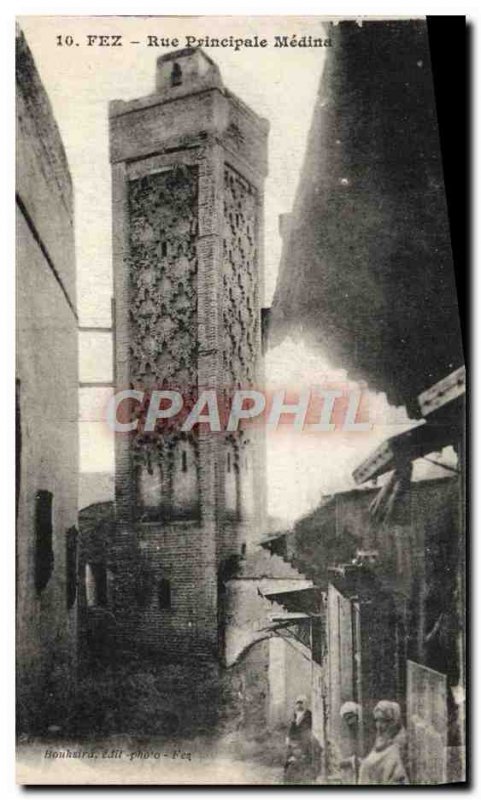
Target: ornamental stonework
[239, 280]
[162, 265]
[163, 279]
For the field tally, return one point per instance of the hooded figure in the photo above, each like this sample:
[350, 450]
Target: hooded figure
[301, 725]
[385, 764]
[349, 763]
[302, 756]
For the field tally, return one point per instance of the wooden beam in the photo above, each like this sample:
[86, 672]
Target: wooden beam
[445, 391]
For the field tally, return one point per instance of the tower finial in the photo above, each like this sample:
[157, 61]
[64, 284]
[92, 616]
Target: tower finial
[190, 69]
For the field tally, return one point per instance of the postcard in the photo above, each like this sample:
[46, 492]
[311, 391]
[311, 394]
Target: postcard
[240, 405]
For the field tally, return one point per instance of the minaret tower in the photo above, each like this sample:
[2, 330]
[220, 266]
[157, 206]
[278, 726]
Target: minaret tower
[188, 168]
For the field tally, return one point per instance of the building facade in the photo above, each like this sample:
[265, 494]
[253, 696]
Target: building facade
[46, 408]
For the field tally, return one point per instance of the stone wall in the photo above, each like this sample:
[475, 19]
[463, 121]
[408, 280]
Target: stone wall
[246, 609]
[47, 415]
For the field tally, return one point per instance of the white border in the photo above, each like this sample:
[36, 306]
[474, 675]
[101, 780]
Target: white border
[7, 339]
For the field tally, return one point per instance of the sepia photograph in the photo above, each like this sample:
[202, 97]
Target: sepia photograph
[240, 415]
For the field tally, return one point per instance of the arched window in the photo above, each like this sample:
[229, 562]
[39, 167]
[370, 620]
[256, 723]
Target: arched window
[231, 479]
[247, 483]
[71, 565]
[96, 584]
[43, 539]
[176, 75]
[89, 586]
[150, 486]
[163, 594]
[185, 489]
[145, 585]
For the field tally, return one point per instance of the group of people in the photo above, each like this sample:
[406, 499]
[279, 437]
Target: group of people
[385, 764]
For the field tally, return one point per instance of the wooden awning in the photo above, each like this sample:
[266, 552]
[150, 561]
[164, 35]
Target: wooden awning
[356, 580]
[306, 601]
[442, 426]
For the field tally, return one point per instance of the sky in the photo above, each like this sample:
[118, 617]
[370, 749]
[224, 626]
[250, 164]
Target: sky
[280, 85]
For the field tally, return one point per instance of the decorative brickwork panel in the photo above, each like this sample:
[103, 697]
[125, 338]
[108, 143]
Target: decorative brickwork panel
[240, 304]
[163, 269]
[163, 217]
[239, 275]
